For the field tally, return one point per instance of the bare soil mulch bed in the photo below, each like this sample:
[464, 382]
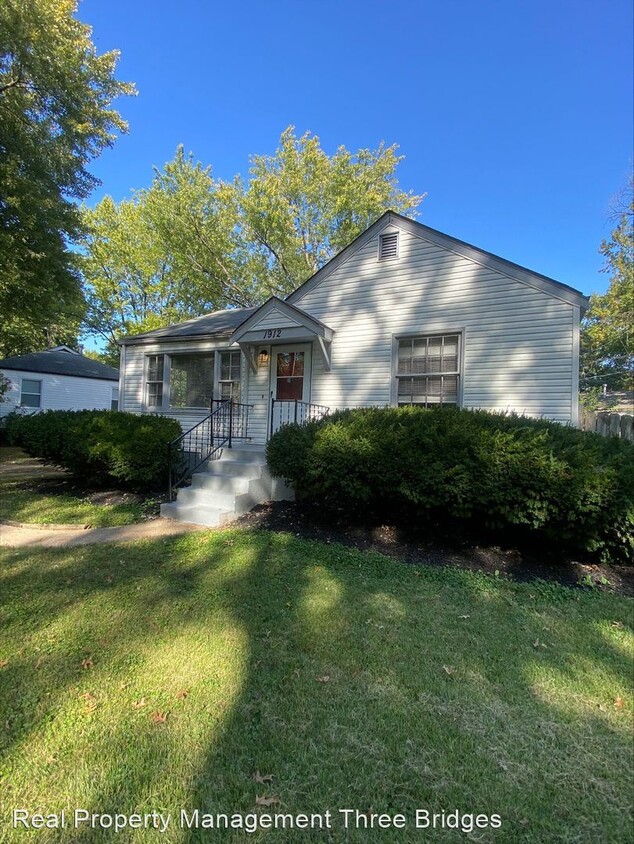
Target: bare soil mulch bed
[518, 564]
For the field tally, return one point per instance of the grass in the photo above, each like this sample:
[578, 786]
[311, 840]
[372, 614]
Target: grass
[28, 506]
[163, 675]
[24, 497]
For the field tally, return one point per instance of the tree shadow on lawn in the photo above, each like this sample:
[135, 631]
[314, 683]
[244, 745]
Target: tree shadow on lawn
[355, 681]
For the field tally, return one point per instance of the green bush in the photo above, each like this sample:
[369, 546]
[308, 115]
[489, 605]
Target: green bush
[470, 472]
[103, 445]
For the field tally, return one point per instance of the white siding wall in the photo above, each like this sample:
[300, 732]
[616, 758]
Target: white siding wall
[59, 392]
[518, 340]
[259, 395]
[276, 320]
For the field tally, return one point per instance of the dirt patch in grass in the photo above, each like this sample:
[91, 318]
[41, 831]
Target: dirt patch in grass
[518, 564]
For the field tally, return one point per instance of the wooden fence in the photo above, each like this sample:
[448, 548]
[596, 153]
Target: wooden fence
[608, 424]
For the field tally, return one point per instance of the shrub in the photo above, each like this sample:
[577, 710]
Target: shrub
[104, 445]
[473, 472]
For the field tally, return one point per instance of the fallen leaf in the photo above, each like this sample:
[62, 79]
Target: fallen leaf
[159, 717]
[464, 616]
[524, 821]
[538, 644]
[139, 703]
[618, 624]
[324, 679]
[87, 663]
[87, 696]
[123, 686]
[4, 663]
[267, 801]
[602, 707]
[182, 694]
[449, 670]
[262, 778]
[618, 703]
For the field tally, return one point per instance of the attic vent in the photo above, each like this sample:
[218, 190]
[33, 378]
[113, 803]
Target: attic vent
[388, 246]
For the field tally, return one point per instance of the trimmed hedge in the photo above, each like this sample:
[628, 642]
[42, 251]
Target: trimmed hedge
[471, 472]
[103, 445]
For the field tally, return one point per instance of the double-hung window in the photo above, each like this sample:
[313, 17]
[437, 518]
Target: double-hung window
[428, 370]
[31, 393]
[155, 370]
[229, 383]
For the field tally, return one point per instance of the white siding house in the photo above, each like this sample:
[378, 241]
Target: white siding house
[405, 314]
[58, 379]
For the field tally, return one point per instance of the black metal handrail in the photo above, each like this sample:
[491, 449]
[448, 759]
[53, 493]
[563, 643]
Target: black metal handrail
[228, 421]
[296, 412]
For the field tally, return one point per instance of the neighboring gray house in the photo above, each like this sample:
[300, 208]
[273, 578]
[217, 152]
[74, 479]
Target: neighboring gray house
[403, 315]
[58, 379]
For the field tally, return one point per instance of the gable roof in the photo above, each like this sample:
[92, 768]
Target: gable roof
[226, 322]
[452, 244]
[215, 323]
[301, 318]
[61, 361]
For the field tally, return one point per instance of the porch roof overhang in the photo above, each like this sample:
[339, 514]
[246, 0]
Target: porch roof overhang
[277, 322]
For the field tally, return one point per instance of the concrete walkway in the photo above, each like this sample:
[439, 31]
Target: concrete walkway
[21, 537]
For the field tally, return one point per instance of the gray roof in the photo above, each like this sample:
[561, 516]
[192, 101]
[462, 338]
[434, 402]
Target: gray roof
[59, 362]
[216, 323]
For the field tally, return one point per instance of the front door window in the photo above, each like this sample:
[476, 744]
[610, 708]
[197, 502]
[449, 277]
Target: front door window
[290, 376]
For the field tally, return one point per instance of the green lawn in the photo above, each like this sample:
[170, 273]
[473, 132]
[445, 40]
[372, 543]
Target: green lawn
[47, 508]
[27, 494]
[163, 675]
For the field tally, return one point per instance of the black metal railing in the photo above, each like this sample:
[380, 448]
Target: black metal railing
[228, 421]
[295, 412]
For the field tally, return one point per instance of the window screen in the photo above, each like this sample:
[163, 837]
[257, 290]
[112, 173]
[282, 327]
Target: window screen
[31, 394]
[427, 371]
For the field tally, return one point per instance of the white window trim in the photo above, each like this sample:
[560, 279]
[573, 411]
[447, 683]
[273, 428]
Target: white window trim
[398, 246]
[429, 332]
[39, 381]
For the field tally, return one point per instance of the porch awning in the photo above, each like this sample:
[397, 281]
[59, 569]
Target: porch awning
[276, 323]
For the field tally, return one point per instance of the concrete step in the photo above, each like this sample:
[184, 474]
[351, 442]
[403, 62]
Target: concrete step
[210, 516]
[219, 483]
[201, 497]
[233, 467]
[243, 455]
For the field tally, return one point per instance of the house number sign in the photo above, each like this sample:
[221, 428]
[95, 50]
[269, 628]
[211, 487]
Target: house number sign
[271, 333]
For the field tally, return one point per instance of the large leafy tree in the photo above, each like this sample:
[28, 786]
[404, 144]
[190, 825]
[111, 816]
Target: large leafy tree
[195, 244]
[301, 206]
[607, 337]
[56, 115]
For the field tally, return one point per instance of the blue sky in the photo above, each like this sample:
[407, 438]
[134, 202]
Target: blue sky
[514, 116]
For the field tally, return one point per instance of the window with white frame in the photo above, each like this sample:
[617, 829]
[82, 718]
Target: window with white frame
[191, 380]
[428, 369]
[31, 393]
[229, 383]
[154, 380]
[114, 399]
